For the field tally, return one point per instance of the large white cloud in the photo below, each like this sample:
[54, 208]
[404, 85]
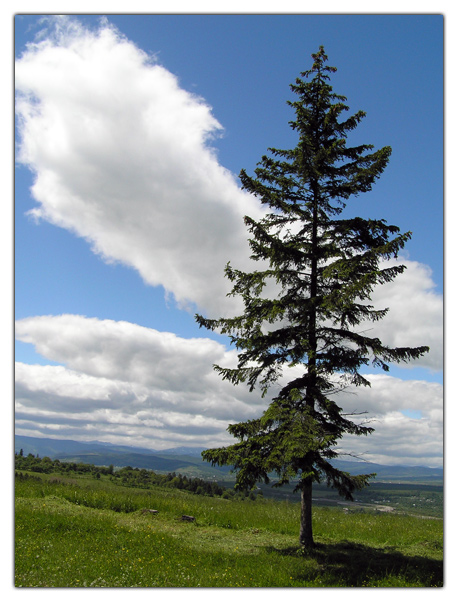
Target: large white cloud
[123, 382]
[122, 156]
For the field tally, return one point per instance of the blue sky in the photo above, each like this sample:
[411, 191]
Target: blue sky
[137, 207]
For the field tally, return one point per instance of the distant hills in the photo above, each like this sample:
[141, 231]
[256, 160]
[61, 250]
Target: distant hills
[186, 460]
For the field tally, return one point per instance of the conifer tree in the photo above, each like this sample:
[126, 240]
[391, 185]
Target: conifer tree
[324, 268]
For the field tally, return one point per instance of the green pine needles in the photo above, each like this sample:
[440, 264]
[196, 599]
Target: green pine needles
[324, 269]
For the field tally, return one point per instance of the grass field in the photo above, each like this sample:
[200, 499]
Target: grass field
[87, 532]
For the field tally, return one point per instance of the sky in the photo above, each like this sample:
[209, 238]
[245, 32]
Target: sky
[131, 131]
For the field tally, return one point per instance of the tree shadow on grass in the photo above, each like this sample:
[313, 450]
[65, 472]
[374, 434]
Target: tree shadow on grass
[348, 564]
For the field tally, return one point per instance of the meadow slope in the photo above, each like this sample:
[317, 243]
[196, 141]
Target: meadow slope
[83, 531]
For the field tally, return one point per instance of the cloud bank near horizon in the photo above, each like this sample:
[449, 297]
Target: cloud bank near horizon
[124, 383]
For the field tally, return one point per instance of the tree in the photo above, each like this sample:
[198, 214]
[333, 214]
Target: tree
[323, 269]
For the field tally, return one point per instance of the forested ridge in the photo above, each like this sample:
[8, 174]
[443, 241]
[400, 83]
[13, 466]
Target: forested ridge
[127, 475]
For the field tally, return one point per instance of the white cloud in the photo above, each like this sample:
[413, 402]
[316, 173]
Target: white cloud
[123, 382]
[118, 372]
[416, 313]
[398, 439]
[121, 350]
[122, 156]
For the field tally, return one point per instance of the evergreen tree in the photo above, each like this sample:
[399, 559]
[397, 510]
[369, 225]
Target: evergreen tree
[324, 268]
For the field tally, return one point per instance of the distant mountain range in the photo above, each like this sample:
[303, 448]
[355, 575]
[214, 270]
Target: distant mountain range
[186, 460]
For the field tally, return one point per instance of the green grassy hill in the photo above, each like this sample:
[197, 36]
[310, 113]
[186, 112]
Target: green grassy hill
[82, 531]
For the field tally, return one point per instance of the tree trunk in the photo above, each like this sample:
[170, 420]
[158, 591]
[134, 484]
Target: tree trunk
[305, 535]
